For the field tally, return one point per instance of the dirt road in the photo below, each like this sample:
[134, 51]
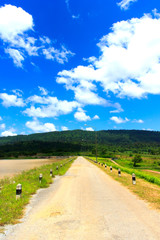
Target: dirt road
[86, 204]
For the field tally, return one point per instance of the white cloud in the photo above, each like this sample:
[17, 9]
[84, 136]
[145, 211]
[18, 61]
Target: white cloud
[16, 55]
[119, 120]
[148, 129]
[14, 21]
[10, 132]
[76, 16]
[43, 91]
[138, 121]
[128, 65]
[89, 129]
[64, 128]
[60, 56]
[16, 32]
[0, 118]
[36, 126]
[96, 117]
[81, 116]
[51, 107]
[124, 4]
[2, 126]
[11, 100]
[18, 92]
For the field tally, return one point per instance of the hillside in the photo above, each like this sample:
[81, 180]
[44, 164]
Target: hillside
[67, 142]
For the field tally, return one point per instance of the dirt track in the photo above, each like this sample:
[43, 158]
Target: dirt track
[86, 204]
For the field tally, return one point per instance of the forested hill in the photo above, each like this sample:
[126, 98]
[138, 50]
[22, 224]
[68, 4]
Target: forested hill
[79, 136]
[80, 142]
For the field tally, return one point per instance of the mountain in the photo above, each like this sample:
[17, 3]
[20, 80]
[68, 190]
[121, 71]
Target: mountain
[73, 142]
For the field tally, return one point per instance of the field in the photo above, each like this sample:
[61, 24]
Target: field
[12, 209]
[10, 167]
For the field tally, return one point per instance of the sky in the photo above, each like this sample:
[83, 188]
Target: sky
[92, 65]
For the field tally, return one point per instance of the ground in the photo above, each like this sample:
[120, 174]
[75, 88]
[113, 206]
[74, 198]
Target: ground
[86, 204]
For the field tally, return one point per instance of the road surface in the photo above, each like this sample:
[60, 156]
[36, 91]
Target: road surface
[86, 204]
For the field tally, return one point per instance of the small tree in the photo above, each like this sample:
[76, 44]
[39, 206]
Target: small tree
[137, 159]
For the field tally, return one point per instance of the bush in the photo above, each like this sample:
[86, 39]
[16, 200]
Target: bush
[137, 159]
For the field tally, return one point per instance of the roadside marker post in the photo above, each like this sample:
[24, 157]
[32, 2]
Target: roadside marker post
[18, 191]
[111, 168]
[119, 172]
[102, 164]
[40, 177]
[57, 168]
[105, 165]
[51, 173]
[61, 165]
[133, 179]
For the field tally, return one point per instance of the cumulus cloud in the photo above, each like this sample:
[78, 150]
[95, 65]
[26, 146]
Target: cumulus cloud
[128, 65]
[96, 117]
[36, 126]
[79, 80]
[11, 100]
[64, 128]
[50, 107]
[81, 116]
[13, 21]
[10, 132]
[16, 32]
[138, 121]
[89, 129]
[119, 120]
[124, 4]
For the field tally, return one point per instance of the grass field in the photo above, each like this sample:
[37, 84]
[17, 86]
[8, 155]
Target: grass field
[149, 161]
[10, 208]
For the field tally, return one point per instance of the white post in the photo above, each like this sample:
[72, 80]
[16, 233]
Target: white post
[18, 191]
[119, 172]
[40, 177]
[51, 173]
[133, 179]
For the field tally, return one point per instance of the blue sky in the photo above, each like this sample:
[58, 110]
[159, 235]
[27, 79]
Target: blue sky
[85, 64]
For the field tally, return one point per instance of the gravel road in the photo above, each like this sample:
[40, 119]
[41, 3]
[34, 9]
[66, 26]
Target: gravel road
[86, 204]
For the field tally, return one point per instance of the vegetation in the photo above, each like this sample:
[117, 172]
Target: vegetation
[139, 173]
[78, 142]
[137, 159]
[12, 209]
[144, 189]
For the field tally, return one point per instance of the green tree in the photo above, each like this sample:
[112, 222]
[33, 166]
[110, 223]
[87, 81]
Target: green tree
[137, 159]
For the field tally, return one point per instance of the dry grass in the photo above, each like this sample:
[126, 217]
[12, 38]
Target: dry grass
[2, 230]
[145, 190]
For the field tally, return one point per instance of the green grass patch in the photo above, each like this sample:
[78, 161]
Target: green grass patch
[146, 176]
[11, 209]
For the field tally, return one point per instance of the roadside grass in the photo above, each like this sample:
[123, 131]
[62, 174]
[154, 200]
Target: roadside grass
[149, 161]
[11, 210]
[145, 189]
